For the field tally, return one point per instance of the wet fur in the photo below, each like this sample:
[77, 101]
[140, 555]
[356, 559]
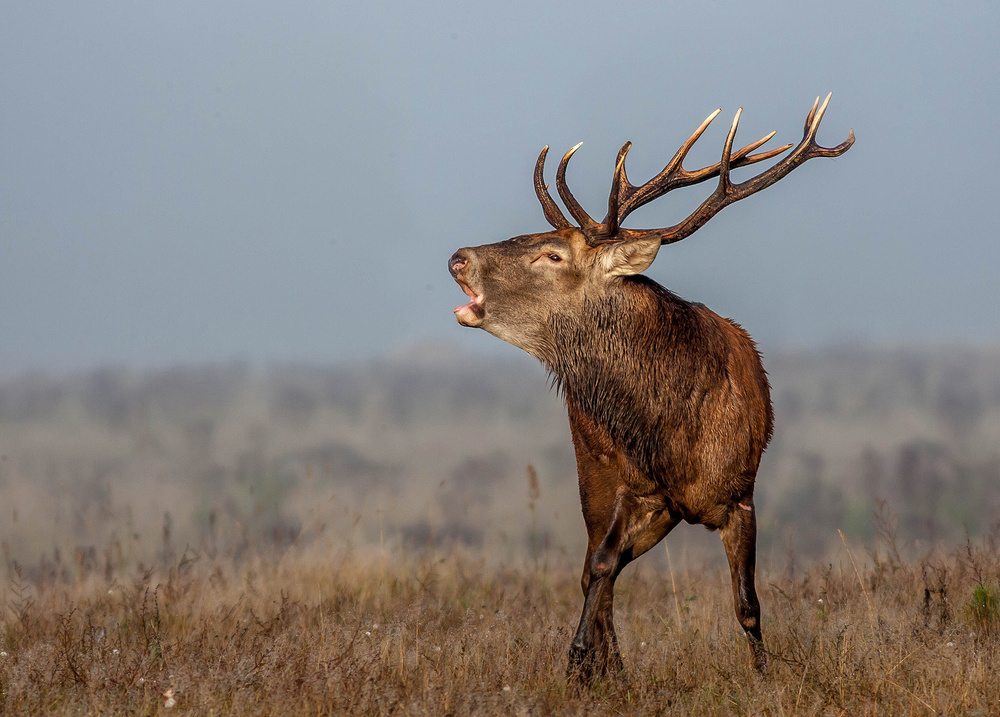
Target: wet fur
[679, 391]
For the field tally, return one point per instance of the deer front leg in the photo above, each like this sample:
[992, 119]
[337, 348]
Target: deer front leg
[594, 651]
[740, 539]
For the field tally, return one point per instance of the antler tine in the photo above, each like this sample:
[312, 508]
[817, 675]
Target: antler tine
[553, 215]
[678, 158]
[727, 153]
[812, 114]
[763, 155]
[726, 193]
[610, 224]
[583, 219]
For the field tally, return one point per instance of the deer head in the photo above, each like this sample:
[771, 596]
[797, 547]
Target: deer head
[517, 286]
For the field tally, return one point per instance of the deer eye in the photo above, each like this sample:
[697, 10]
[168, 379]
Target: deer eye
[554, 258]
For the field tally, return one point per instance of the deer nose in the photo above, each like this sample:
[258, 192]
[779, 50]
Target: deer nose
[457, 262]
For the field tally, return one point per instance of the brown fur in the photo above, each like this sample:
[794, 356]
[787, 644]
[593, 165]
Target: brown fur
[669, 405]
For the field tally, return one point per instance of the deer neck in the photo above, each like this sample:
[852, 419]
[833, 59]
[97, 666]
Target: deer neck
[608, 359]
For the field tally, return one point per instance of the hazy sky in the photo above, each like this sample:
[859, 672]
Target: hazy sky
[203, 181]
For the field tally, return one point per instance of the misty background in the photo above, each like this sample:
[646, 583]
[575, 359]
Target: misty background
[225, 316]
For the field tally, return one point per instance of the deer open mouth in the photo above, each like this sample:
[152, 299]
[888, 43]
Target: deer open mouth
[470, 314]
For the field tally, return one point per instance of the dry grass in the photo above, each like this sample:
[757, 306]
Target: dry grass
[434, 633]
[310, 493]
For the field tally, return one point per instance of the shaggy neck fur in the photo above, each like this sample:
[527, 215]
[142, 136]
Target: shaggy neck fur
[634, 362]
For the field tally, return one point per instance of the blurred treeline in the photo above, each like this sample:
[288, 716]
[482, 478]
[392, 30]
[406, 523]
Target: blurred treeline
[432, 446]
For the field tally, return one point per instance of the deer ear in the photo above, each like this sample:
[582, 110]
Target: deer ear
[629, 257]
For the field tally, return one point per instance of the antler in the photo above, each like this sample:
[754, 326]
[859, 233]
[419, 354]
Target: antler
[552, 213]
[626, 197]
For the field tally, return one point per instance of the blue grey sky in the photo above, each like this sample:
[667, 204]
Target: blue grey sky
[191, 182]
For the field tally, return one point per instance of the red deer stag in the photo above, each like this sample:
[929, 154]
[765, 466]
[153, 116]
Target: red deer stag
[669, 405]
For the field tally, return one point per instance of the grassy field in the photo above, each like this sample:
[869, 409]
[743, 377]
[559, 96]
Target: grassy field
[345, 632]
[405, 537]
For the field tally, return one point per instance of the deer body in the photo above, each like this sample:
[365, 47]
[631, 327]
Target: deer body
[668, 403]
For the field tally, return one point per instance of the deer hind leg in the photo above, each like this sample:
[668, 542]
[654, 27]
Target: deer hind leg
[739, 536]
